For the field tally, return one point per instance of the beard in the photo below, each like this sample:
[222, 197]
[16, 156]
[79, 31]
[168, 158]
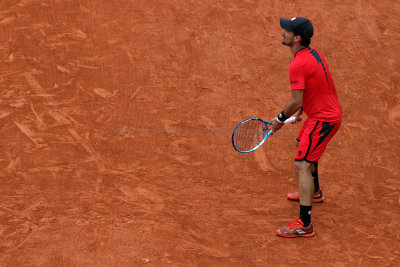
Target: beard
[284, 42]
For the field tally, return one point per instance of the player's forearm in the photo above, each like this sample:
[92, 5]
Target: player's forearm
[292, 108]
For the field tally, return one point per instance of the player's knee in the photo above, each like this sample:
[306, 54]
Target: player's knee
[301, 166]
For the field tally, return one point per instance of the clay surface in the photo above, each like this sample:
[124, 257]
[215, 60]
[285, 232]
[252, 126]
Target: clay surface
[116, 120]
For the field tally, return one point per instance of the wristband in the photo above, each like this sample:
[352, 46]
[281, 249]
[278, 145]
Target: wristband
[281, 117]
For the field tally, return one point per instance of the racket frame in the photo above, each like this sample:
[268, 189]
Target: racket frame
[290, 120]
[262, 141]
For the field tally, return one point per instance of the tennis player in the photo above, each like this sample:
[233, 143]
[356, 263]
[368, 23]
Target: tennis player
[313, 92]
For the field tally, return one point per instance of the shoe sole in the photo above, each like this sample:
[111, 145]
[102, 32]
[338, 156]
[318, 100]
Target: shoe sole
[294, 236]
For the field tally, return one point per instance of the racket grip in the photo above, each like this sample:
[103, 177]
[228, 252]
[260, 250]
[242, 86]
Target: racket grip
[290, 120]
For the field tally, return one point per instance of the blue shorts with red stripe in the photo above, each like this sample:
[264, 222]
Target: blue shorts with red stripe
[314, 137]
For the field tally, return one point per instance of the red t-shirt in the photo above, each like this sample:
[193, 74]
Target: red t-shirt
[309, 72]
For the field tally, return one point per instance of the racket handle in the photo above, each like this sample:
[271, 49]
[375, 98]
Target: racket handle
[290, 120]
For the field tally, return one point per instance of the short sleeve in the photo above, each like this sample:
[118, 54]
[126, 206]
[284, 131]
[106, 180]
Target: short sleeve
[297, 76]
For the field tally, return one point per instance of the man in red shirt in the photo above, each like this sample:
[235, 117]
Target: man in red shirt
[314, 92]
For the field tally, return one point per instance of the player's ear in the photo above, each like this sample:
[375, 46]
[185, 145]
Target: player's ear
[298, 38]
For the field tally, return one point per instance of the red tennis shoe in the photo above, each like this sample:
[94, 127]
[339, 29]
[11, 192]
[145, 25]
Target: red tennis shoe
[296, 229]
[318, 197]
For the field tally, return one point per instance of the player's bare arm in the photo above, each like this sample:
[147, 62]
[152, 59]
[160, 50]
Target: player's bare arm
[293, 107]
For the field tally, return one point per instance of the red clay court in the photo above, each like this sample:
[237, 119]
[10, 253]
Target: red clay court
[116, 121]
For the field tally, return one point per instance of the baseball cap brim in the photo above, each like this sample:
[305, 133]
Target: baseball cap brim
[285, 24]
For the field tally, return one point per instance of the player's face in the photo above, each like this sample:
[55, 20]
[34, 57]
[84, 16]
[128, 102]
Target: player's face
[287, 37]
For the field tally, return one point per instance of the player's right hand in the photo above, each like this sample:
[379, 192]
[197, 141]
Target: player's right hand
[275, 125]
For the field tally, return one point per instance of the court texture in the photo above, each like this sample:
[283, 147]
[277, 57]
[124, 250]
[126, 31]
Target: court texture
[116, 120]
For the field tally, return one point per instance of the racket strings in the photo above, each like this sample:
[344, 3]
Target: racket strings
[249, 135]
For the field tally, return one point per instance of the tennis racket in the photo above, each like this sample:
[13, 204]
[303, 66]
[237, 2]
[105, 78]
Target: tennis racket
[250, 134]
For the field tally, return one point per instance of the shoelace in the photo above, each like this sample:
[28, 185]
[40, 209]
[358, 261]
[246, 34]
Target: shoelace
[294, 223]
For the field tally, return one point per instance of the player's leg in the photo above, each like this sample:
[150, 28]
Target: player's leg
[318, 197]
[305, 181]
[302, 226]
[314, 171]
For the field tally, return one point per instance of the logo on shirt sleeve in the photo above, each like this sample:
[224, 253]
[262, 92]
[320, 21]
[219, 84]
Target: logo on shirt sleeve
[294, 82]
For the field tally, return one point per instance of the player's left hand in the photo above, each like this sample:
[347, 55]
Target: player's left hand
[298, 115]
